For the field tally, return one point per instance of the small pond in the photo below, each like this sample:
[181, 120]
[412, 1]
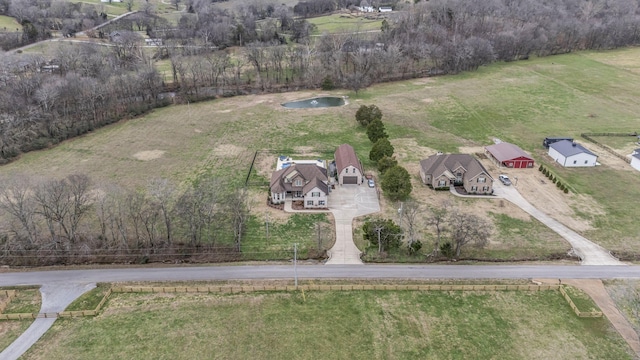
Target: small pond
[318, 102]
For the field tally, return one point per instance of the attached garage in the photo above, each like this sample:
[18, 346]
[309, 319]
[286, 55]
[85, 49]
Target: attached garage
[509, 155]
[350, 180]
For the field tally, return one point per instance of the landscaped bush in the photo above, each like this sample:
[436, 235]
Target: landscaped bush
[558, 184]
[327, 83]
[566, 190]
[541, 168]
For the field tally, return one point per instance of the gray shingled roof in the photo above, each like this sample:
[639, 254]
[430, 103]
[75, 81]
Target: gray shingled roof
[568, 148]
[309, 172]
[506, 151]
[436, 165]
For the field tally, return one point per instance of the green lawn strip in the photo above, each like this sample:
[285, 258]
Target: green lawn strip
[299, 228]
[26, 301]
[581, 300]
[354, 325]
[90, 299]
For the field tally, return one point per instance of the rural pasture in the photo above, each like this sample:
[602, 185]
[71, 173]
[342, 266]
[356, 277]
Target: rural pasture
[351, 324]
[520, 102]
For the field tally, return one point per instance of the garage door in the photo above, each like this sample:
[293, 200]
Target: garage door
[350, 180]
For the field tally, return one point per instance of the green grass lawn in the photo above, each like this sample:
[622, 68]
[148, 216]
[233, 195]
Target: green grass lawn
[338, 23]
[338, 325]
[8, 23]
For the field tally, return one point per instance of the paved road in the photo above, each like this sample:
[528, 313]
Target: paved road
[346, 203]
[589, 252]
[240, 272]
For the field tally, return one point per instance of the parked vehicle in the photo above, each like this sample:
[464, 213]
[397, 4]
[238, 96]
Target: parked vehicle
[371, 183]
[505, 179]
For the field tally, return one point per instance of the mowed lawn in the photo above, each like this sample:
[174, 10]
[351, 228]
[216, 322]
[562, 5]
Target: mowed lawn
[335, 325]
[338, 23]
[8, 23]
[520, 102]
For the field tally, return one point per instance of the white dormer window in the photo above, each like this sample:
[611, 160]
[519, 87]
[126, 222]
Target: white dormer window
[298, 182]
[482, 180]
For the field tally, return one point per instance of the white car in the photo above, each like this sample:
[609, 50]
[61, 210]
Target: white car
[505, 179]
[371, 183]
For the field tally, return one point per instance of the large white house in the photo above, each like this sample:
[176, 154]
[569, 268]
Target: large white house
[635, 159]
[306, 182]
[571, 154]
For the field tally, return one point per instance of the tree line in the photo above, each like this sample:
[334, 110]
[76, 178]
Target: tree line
[74, 220]
[264, 47]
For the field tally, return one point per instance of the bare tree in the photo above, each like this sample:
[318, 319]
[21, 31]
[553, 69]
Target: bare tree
[438, 218]
[162, 194]
[15, 199]
[238, 210]
[411, 212]
[468, 228]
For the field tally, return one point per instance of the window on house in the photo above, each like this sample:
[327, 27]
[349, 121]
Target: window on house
[474, 188]
[321, 202]
[442, 183]
[575, 161]
[298, 182]
[315, 194]
[485, 188]
[346, 170]
[586, 161]
[310, 202]
[482, 180]
[354, 170]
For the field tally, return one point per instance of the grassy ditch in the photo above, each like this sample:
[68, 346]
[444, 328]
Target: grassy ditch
[357, 325]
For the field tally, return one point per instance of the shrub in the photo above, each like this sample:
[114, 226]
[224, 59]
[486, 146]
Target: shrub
[566, 190]
[446, 249]
[554, 180]
[541, 168]
[327, 83]
[558, 184]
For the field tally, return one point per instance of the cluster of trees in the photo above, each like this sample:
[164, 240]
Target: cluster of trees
[454, 230]
[73, 220]
[396, 181]
[94, 86]
[40, 17]
[89, 87]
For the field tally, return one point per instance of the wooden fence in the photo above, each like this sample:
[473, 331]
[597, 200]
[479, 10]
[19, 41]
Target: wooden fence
[9, 294]
[589, 137]
[590, 314]
[253, 288]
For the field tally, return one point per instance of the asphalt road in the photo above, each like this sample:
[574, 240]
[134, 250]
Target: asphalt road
[240, 272]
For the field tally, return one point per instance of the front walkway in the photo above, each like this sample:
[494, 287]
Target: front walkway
[346, 202]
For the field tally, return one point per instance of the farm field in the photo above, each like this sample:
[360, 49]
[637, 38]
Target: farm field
[339, 23]
[520, 102]
[8, 23]
[354, 325]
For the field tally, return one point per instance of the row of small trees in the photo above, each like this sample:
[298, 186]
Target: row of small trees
[70, 220]
[395, 179]
[554, 178]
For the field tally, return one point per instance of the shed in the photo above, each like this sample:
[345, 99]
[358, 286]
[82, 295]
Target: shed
[571, 154]
[348, 167]
[509, 155]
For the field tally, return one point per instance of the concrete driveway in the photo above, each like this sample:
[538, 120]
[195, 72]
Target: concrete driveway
[589, 252]
[347, 202]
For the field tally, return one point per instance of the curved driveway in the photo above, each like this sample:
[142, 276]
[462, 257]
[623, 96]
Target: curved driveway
[589, 252]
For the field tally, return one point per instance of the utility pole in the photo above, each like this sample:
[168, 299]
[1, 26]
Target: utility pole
[267, 223]
[378, 229]
[295, 264]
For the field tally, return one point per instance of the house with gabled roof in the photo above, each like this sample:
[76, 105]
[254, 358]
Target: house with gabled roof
[635, 159]
[348, 167]
[443, 170]
[571, 154]
[305, 182]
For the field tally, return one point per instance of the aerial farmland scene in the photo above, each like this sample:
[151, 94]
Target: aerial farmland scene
[344, 179]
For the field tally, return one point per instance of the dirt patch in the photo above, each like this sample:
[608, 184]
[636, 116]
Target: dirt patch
[428, 100]
[607, 159]
[228, 151]
[149, 155]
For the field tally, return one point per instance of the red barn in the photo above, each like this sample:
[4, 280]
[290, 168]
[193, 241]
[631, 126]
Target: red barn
[509, 155]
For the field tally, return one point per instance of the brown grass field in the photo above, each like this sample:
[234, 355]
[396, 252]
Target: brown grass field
[520, 102]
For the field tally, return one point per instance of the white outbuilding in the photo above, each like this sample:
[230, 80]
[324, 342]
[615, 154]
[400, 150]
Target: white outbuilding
[571, 154]
[635, 159]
